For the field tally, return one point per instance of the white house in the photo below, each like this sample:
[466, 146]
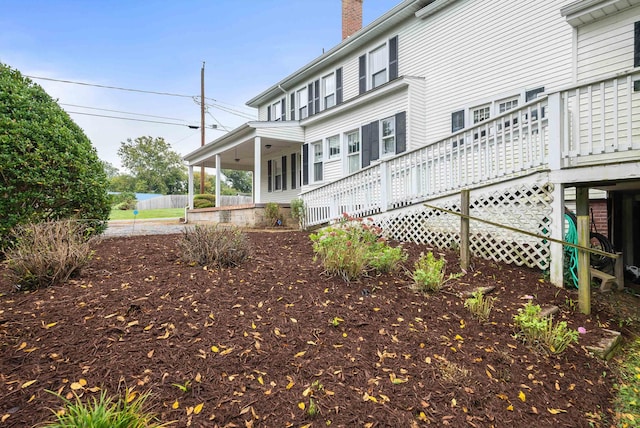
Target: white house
[520, 102]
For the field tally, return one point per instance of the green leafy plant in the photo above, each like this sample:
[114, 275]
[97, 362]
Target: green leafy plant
[214, 245]
[387, 259]
[50, 170]
[335, 321]
[47, 253]
[542, 331]
[298, 211]
[353, 246]
[184, 387]
[428, 274]
[272, 214]
[479, 305]
[626, 401]
[106, 412]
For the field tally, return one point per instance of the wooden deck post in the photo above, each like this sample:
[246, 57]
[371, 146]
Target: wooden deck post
[618, 271]
[464, 230]
[584, 262]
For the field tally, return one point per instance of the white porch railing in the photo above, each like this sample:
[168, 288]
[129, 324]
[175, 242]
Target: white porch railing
[585, 121]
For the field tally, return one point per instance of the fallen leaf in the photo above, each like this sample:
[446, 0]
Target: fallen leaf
[522, 396]
[28, 383]
[556, 411]
[198, 408]
[175, 405]
[301, 405]
[215, 349]
[299, 354]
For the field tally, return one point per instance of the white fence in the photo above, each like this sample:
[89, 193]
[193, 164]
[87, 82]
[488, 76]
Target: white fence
[167, 201]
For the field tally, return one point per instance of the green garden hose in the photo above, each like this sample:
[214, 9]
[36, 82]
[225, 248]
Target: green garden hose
[571, 253]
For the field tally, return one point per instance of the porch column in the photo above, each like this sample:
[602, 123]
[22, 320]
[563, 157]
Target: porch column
[190, 188]
[556, 270]
[257, 169]
[218, 176]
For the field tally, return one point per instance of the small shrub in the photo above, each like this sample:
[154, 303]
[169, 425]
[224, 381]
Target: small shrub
[126, 205]
[479, 305]
[206, 197]
[129, 198]
[202, 203]
[272, 213]
[428, 274]
[352, 246]
[387, 259]
[105, 412]
[541, 330]
[298, 211]
[215, 245]
[47, 253]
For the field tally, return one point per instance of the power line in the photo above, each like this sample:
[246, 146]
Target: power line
[133, 119]
[120, 111]
[111, 87]
[127, 89]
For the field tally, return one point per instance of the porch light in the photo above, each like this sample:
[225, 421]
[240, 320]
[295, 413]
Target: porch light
[268, 146]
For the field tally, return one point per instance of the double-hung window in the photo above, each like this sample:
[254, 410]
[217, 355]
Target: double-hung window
[329, 90]
[480, 114]
[318, 157]
[378, 61]
[333, 144]
[388, 133]
[302, 102]
[276, 111]
[353, 151]
[277, 166]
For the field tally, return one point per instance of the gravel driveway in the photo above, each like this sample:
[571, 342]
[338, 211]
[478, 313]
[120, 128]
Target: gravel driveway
[162, 226]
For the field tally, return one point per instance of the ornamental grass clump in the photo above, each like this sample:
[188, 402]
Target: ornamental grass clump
[214, 245]
[541, 331]
[352, 247]
[44, 254]
[106, 412]
[479, 305]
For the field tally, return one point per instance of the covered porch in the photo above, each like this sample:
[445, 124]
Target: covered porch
[269, 150]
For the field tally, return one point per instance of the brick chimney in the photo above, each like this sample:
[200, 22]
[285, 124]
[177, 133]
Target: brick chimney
[351, 17]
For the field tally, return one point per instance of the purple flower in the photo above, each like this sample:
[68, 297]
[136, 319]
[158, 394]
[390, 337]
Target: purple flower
[582, 330]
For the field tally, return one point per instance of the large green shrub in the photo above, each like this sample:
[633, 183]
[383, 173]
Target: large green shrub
[204, 200]
[49, 169]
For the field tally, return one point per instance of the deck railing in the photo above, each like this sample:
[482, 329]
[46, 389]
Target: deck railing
[577, 125]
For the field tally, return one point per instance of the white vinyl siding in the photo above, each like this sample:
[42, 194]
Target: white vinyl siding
[606, 46]
[356, 118]
[280, 196]
[537, 52]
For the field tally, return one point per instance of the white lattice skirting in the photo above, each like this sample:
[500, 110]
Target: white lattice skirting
[525, 206]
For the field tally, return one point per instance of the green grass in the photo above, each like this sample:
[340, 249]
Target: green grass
[143, 214]
[628, 394]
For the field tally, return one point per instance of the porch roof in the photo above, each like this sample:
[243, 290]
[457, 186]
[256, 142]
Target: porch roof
[585, 11]
[237, 147]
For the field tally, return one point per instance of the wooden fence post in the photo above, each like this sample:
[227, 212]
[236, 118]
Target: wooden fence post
[464, 230]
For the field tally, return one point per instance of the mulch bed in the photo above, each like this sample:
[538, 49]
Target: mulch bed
[255, 344]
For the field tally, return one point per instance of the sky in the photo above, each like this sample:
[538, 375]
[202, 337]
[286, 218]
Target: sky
[159, 46]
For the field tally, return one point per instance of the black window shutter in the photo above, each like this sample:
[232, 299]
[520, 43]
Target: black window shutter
[401, 132]
[305, 164]
[316, 95]
[283, 108]
[362, 74]
[284, 173]
[293, 106]
[310, 99]
[294, 179]
[268, 113]
[339, 86]
[370, 143]
[457, 120]
[636, 44]
[366, 145]
[393, 58]
[375, 140]
[269, 176]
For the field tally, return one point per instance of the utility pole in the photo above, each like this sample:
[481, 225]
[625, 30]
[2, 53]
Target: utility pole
[202, 135]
